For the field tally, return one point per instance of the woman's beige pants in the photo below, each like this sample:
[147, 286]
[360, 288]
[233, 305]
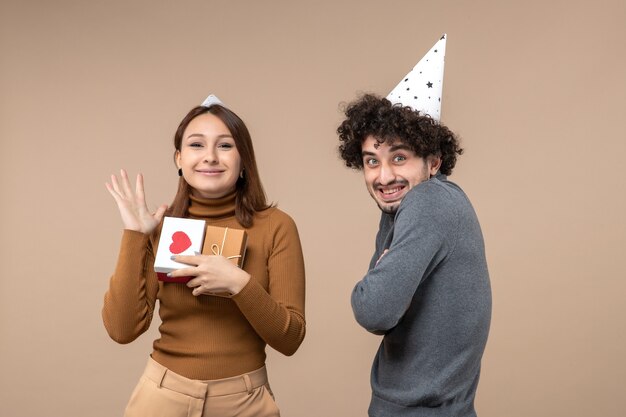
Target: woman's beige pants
[161, 392]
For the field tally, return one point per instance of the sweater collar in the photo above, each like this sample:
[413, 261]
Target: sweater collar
[213, 208]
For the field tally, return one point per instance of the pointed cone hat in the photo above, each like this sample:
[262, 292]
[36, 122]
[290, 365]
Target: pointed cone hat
[422, 88]
[212, 100]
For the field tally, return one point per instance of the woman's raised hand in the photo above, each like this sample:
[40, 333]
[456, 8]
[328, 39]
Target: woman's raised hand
[132, 205]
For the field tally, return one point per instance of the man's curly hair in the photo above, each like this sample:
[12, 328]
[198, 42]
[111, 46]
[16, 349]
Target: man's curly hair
[386, 122]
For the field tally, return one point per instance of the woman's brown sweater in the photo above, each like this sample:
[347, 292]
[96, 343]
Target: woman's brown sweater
[210, 337]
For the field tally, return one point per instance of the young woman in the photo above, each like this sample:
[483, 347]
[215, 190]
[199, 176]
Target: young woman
[210, 357]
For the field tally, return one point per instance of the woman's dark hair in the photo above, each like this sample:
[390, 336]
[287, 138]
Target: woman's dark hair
[378, 117]
[250, 194]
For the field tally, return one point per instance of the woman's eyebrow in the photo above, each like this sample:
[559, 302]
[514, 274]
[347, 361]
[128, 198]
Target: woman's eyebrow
[200, 135]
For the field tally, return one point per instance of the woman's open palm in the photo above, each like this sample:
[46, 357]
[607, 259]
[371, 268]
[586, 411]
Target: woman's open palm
[132, 204]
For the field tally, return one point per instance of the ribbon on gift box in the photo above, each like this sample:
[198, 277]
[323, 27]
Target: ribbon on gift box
[217, 250]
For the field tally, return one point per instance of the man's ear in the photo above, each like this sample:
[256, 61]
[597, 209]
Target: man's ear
[434, 163]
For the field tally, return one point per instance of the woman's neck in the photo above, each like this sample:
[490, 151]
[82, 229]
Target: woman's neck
[212, 207]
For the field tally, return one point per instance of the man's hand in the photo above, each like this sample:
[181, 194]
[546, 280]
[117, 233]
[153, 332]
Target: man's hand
[381, 256]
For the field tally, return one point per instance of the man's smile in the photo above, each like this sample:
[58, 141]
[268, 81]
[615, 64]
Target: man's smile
[391, 192]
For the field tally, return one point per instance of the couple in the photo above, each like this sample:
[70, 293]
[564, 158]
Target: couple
[426, 291]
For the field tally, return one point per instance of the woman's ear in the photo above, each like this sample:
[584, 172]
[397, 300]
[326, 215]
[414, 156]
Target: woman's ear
[177, 158]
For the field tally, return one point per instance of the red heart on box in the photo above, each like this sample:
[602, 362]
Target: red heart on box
[180, 242]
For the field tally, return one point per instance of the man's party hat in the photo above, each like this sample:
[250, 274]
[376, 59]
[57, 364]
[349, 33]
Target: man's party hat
[422, 88]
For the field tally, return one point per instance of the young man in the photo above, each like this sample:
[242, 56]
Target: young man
[427, 290]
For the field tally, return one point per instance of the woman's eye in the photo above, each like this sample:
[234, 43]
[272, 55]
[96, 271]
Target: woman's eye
[195, 145]
[225, 146]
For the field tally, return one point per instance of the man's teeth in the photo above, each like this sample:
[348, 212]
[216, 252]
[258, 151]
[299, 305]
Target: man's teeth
[391, 190]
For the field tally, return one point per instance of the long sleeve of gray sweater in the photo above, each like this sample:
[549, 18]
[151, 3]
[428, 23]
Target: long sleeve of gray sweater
[430, 297]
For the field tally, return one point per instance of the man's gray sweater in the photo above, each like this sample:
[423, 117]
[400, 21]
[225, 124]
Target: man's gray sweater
[431, 299]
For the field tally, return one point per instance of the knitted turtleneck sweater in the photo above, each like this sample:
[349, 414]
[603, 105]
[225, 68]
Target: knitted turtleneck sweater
[209, 337]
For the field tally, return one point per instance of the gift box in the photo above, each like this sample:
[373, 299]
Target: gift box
[190, 236]
[227, 242]
[178, 237]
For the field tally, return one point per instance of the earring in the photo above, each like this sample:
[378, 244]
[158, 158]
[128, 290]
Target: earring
[241, 174]
[180, 172]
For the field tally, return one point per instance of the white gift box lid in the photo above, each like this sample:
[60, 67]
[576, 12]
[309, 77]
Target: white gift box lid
[178, 237]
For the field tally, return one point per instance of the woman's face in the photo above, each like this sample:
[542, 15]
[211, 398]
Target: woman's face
[208, 157]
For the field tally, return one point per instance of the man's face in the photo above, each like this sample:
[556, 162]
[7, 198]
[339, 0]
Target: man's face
[391, 170]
